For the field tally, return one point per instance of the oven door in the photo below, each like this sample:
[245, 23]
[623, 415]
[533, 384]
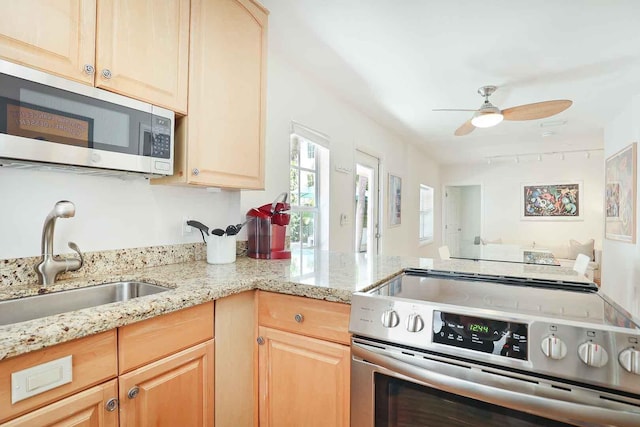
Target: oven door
[393, 386]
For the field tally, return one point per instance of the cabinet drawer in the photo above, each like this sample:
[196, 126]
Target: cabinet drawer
[86, 408]
[93, 361]
[153, 339]
[306, 316]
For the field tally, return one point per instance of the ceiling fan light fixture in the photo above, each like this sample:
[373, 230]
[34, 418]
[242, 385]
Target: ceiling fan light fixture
[486, 119]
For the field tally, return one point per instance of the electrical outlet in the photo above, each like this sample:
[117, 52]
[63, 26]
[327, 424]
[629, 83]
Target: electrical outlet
[186, 229]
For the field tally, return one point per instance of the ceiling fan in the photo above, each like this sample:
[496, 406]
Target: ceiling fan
[489, 115]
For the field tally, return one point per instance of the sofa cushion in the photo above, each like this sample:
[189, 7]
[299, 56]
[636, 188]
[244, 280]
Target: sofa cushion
[576, 248]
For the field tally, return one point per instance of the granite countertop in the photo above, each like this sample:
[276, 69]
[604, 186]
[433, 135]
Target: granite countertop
[322, 275]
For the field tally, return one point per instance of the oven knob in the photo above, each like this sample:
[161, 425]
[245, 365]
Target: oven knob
[415, 323]
[390, 319]
[554, 348]
[629, 358]
[593, 354]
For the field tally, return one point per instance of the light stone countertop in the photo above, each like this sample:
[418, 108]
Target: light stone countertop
[321, 275]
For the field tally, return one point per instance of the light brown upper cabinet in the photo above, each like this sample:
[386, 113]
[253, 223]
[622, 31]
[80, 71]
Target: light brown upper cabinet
[140, 48]
[53, 36]
[221, 141]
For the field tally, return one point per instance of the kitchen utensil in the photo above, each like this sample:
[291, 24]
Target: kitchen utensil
[217, 232]
[200, 226]
[232, 230]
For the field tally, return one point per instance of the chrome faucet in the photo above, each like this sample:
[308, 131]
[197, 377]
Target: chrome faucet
[49, 266]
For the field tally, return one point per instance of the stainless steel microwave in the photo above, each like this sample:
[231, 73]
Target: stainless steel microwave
[52, 120]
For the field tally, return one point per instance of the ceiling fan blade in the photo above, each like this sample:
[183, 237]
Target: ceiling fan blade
[450, 109]
[465, 129]
[538, 110]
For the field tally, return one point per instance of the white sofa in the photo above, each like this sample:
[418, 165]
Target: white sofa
[564, 254]
[566, 258]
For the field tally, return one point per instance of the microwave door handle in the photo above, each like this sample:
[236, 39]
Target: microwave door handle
[538, 405]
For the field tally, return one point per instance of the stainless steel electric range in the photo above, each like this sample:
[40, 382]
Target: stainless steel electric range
[434, 348]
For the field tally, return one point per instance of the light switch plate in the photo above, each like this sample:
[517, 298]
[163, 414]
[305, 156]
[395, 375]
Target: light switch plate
[40, 378]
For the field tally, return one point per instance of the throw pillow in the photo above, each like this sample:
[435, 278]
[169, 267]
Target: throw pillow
[576, 248]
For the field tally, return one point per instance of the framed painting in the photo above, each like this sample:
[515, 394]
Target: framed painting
[552, 201]
[620, 172]
[395, 200]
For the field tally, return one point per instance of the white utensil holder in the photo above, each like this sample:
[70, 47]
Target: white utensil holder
[221, 249]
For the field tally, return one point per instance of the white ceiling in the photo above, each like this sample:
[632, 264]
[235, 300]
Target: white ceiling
[396, 60]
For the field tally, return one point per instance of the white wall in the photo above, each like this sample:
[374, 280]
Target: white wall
[295, 96]
[621, 261]
[501, 193]
[470, 206]
[111, 213]
[114, 213]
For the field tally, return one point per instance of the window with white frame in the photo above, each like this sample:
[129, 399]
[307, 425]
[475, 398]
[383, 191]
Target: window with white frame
[426, 214]
[307, 190]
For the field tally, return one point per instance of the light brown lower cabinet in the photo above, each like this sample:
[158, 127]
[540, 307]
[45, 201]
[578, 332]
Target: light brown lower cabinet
[86, 409]
[304, 362]
[174, 391]
[166, 377]
[303, 381]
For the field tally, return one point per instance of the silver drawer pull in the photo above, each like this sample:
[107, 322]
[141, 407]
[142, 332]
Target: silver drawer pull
[299, 318]
[260, 340]
[133, 392]
[111, 404]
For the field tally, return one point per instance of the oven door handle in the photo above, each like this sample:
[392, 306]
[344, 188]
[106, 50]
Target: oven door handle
[537, 405]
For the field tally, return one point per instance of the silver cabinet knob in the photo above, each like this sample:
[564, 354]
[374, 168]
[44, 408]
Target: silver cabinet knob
[553, 347]
[196, 171]
[106, 73]
[593, 354]
[629, 358]
[111, 405]
[133, 392]
[299, 318]
[390, 319]
[260, 340]
[88, 69]
[415, 323]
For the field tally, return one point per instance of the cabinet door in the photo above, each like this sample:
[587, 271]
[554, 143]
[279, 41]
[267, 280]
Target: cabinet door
[84, 409]
[55, 36]
[225, 134]
[303, 381]
[174, 391]
[144, 45]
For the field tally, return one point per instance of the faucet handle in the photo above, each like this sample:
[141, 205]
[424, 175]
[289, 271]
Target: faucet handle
[75, 247]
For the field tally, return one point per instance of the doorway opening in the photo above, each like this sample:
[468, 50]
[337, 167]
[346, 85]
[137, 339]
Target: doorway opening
[462, 217]
[367, 196]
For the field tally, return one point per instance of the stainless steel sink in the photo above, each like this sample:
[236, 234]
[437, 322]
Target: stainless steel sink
[35, 307]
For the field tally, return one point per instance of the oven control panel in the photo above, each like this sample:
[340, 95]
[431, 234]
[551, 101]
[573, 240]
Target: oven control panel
[507, 339]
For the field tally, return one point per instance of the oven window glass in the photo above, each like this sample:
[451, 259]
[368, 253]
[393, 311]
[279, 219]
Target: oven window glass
[399, 403]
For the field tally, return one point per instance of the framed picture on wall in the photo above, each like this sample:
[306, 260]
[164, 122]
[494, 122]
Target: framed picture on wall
[395, 200]
[551, 201]
[620, 172]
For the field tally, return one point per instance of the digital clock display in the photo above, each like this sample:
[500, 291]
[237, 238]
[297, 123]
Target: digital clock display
[499, 337]
[477, 327]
